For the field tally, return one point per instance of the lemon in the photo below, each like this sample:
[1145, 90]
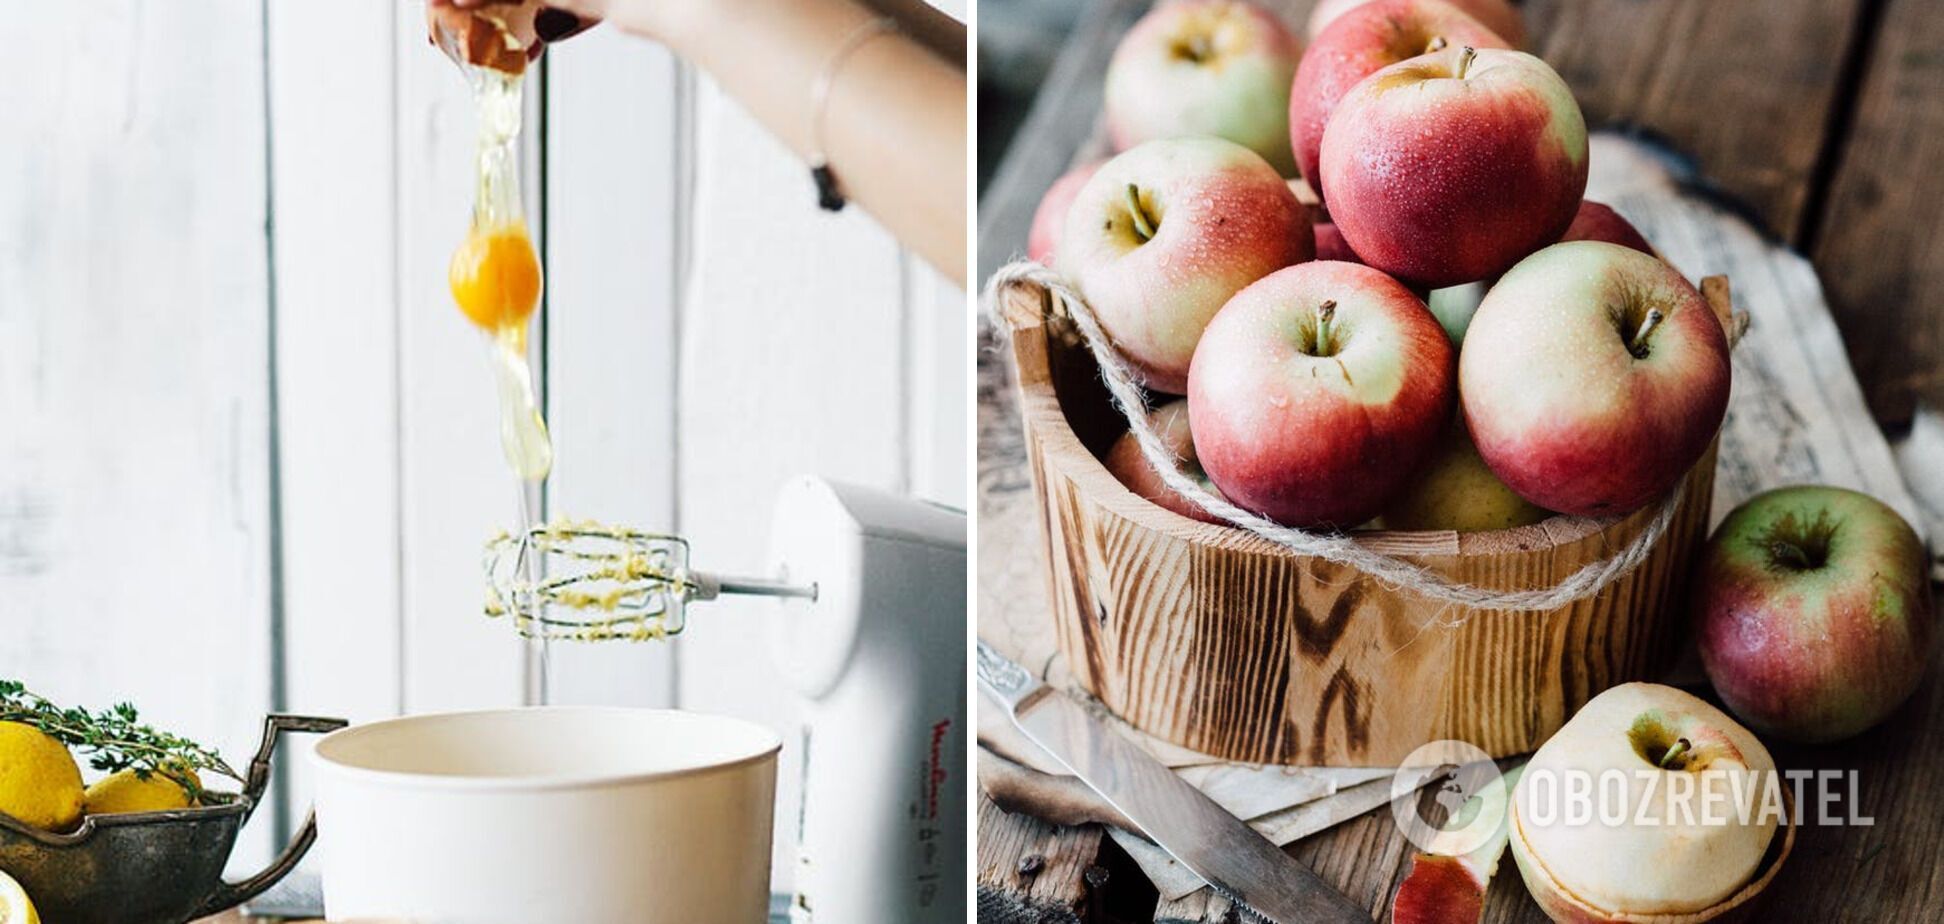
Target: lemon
[15, 906]
[125, 791]
[39, 781]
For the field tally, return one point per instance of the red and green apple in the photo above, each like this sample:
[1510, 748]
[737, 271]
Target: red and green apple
[1450, 167]
[1331, 246]
[1130, 466]
[1318, 393]
[1593, 377]
[1814, 612]
[1163, 234]
[1363, 41]
[1599, 222]
[1498, 15]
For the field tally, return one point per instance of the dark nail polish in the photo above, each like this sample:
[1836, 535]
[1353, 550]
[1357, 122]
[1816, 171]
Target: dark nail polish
[552, 24]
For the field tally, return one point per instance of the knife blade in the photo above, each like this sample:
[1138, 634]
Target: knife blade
[1236, 861]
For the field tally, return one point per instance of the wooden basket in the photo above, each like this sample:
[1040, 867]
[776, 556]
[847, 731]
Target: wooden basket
[1223, 642]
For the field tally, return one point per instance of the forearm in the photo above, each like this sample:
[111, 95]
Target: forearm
[894, 127]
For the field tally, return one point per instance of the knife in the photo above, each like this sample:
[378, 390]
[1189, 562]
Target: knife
[1238, 863]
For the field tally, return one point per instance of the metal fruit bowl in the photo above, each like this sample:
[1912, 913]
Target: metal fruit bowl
[153, 867]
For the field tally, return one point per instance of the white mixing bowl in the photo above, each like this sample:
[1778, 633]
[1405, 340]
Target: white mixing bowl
[585, 814]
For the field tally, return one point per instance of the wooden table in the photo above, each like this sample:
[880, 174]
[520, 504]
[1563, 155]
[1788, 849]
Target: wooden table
[1791, 108]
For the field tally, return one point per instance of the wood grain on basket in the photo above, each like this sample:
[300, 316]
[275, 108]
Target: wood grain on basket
[1220, 641]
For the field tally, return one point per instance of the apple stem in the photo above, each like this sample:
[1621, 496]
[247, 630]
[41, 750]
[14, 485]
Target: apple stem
[1325, 313]
[1142, 225]
[1674, 753]
[1638, 345]
[1465, 60]
[1438, 43]
[1790, 554]
[1199, 49]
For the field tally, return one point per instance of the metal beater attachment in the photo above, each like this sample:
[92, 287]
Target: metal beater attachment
[598, 583]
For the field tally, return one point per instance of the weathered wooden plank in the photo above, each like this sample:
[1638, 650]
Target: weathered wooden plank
[1362, 858]
[1748, 89]
[135, 519]
[614, 208]
[1887, 871]
[1878, 242]
[1031, 872]
[1203, 907]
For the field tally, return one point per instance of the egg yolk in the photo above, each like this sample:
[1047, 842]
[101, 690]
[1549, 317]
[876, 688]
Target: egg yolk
[495, 276]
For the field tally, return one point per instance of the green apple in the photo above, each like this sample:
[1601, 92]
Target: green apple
[1219, 68]
[1454, 306]
[1457, 491]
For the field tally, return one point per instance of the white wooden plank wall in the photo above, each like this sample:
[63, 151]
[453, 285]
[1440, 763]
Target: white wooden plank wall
[334, 153]
[708, 332]
[135, 528]
[615, 211]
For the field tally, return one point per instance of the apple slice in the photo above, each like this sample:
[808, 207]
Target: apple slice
[1448, 888]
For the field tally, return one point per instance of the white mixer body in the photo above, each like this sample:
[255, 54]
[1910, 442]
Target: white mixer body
[879, 656]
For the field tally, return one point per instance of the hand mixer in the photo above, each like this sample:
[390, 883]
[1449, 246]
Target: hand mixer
[869, 628]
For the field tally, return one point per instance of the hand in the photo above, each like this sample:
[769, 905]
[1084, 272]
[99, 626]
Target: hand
[476, 31]
[678, 24]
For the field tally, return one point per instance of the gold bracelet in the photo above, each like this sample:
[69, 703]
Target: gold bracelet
[829, 194]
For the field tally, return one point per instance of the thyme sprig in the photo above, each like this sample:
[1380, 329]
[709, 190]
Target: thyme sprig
[115, 739]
